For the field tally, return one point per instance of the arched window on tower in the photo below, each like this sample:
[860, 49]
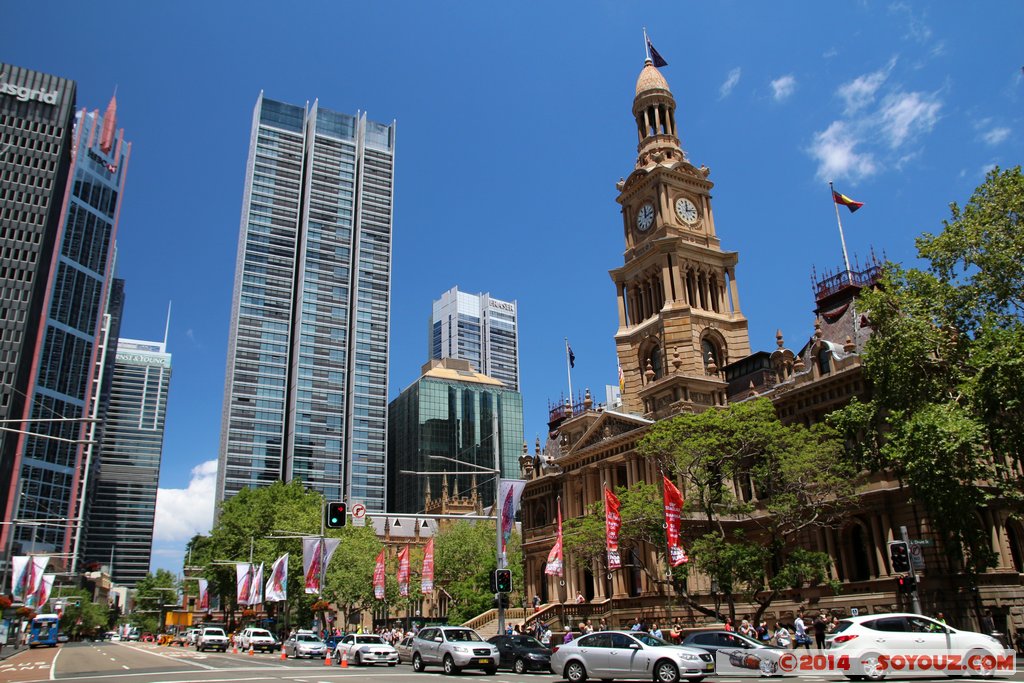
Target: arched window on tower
[825, 360]
[708, 352]
[656, 364]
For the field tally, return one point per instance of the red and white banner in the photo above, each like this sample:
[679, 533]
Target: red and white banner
[204, 595]
[277, 584]
[403, 572]
[673, 523]
[243, 583]
[45, 586]
[509, 495]
[427, 575]
[27, 575]
[380, 576]
[554, 566]
[256, 586]
[612, 523]
[316, 555]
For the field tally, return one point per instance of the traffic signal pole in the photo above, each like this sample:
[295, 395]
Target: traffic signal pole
[915, 601]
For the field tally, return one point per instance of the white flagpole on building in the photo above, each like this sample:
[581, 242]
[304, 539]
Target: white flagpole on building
[842, 239]
[568, 369]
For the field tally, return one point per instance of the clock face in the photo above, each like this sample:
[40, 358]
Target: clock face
[686, 211]
[645, 217]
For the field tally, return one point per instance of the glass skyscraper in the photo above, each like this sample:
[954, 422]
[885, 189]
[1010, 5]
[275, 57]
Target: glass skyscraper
[459, 414]
[120, 528]
[305, 392]
[53, 457]
[480, 329]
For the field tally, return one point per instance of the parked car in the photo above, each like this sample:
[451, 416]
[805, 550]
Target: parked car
[331, 642]
[305, 644]
[256, 639]
[132, 635]
[62, 637]
[211, 638]
[737, 651]
[866, 638]
[404, 649]
[453, 647]
[629, 654]
[365, 648]
[521, 653]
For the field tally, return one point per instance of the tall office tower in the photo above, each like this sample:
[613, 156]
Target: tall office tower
[52, 460]
[120, 528]
[305, 393]
[36, 137]
[451, 415]
[480, 329]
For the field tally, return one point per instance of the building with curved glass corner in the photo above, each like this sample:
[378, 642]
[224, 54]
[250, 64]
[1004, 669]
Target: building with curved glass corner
[305, 393]
[461, 415]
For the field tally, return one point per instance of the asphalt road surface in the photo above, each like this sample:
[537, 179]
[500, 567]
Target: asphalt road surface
[115, 662]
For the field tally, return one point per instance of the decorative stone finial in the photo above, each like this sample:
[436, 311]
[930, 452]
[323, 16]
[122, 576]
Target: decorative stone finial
[677, 362]
[778, 339]
[536, 446]
[817, 328]
[849, 346]
[752, 391]
[587, 401]
[649, 373]
[798, 364]
[712, 365]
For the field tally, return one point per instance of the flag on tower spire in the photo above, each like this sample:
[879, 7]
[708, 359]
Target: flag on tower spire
[653, 54]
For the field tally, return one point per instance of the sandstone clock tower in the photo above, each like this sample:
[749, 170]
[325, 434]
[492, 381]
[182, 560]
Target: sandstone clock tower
[679, 307]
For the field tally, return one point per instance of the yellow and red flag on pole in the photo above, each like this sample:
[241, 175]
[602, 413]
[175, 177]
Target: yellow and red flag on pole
[851, 204]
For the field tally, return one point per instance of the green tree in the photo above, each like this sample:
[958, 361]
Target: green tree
[151, 594]
[792, 478]
[464, 556]
[946, 362]
[80, 616]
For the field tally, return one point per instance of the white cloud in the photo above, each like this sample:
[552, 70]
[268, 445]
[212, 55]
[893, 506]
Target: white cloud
[996, 136]
[906, 115]
[183, 513]
[835, 150]
[860, 92]
[783, 87]
[730, 82]
[987, 168]
[830, 53]
[917, 30]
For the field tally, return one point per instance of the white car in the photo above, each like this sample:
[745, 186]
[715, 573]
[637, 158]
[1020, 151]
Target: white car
[629, 654]
[256, 639]
[360, 648]
[879, 645]
[211, 638]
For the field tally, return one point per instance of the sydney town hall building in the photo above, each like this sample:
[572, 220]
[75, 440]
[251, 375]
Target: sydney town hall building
[683, 346]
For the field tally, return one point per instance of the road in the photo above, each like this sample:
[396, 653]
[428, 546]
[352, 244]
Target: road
[114, 662]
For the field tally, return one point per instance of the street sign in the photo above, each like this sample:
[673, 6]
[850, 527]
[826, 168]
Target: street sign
[917, 556]
[925, 542]
[358, 514]
[854, 611]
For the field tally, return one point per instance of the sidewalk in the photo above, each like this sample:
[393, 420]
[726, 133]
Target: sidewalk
[11, 650]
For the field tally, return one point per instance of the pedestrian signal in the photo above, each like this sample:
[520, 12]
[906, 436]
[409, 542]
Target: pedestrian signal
[502, 580]
[334, 517]
[899, 556]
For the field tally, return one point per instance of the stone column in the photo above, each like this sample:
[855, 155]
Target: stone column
[837, 560]
[621, 291]
[734, 289]
[878, 541]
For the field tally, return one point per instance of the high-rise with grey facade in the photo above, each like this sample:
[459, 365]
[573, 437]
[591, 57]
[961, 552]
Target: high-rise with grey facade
[305, 392]
[120, 526]
[480, 329]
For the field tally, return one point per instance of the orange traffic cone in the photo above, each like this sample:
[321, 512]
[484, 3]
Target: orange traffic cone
[344, 662]
[234, 648]
[252, 652]
[284, 655]
[327, 658]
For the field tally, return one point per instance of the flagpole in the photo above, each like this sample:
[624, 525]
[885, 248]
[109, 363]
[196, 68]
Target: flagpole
[842, 239]
[568, 371]
[647, 48]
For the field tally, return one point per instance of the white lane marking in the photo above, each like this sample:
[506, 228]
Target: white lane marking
[125, 666]
[53, 663]
[173, 659]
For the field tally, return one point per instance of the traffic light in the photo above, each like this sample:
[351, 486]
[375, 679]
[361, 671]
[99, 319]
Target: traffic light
[501, 581]
[899, 556]
[334, 515]
[905, 584]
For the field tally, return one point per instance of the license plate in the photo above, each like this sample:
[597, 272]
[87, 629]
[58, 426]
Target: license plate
[484, 661]
[710, 666]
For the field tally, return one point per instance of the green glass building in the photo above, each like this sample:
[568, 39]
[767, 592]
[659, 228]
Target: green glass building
[449, 420]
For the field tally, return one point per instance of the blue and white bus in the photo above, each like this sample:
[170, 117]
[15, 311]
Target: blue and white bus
[44, 630]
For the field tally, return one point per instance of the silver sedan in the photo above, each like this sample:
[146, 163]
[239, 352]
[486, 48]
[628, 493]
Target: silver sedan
[631, 655]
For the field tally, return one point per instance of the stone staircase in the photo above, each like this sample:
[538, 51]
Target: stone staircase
[486, 624]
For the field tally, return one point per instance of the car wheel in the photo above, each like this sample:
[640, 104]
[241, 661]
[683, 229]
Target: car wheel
[870, 667]
[666, 672]
[359, 659]
[767, 667]
[575, 672]
[392, 663]
[519, 666]
[449, 666]
[983, 658]
[417, 663]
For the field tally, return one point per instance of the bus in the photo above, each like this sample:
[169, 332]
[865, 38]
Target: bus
[44, 630]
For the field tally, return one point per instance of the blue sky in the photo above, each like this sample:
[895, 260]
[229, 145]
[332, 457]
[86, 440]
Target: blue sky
[514, 123]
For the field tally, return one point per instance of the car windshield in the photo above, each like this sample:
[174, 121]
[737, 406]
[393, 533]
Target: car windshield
[213, 632]
[524, 641]
[372, 640]
[304, 638]
[259, 633]
[462, 635]
[649, 640]
[748, 641]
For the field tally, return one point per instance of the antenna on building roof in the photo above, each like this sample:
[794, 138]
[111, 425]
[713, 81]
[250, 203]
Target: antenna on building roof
[167, 327]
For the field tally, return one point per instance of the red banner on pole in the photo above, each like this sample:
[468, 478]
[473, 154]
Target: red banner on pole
[403, 572]
[554, 565]
[427, 575]
[379, 577]
[673, 517]
[612, 523]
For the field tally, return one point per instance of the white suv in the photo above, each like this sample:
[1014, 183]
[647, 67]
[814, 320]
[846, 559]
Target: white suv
[256, 639]
[212, 639]
[902, 644]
